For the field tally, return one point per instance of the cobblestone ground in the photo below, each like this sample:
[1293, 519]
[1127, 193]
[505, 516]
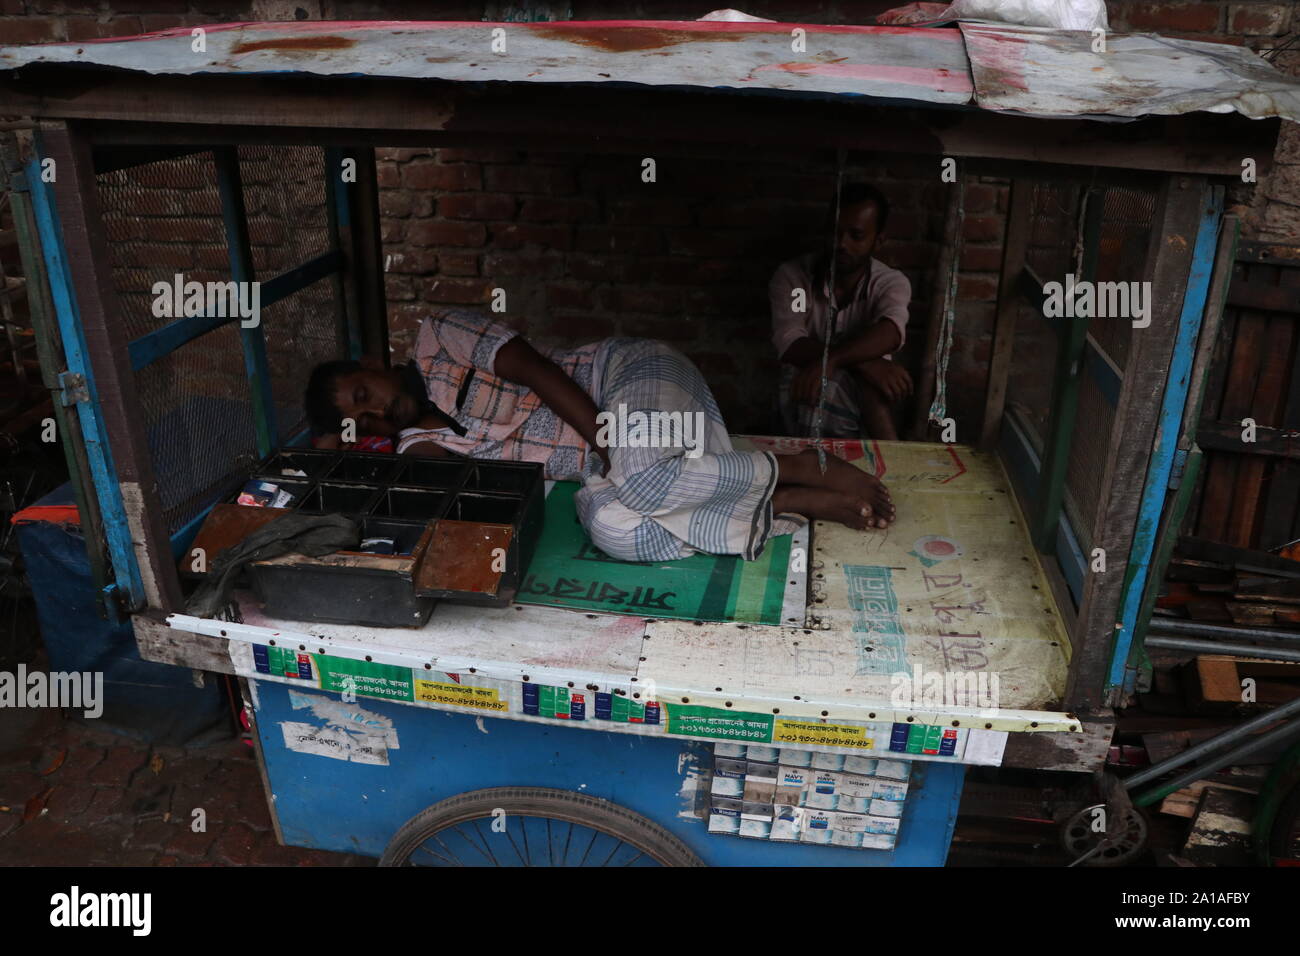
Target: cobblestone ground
[71, 795]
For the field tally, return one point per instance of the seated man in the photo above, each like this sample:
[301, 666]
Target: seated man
[863, 384]
[478, 388]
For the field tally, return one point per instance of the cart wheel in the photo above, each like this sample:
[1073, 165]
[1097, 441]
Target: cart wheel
[1094, 849]
[533, 826]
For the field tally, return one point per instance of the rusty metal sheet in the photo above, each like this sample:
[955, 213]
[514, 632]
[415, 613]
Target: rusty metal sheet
[461, 556]
[1056, 73]
[884, 62]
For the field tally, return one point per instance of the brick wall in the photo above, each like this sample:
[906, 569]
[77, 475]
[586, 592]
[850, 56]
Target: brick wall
[584, 249]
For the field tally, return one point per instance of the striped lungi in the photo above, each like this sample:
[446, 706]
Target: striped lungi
[661, 503]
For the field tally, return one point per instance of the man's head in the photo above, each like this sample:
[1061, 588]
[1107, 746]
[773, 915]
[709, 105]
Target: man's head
[363, 391]
[864, 213]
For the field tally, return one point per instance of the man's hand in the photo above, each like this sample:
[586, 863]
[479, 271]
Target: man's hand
[806, 386]
[888, 378]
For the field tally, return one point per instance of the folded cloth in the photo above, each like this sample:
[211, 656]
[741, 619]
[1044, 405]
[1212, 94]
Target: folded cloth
[291, 533]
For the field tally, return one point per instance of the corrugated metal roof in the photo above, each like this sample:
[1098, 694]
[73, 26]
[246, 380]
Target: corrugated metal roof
[886, 62]
[1019, 69]
[1056, 73]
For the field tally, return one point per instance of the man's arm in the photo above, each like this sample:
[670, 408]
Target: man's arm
[517, 361]
[880, 338]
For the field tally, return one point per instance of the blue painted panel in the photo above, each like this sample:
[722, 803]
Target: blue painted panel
[1023, 465]
[348, 807]
[1167, 427]
[99, 454]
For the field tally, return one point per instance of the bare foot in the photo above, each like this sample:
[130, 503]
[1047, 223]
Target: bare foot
[842, 476]
[802, 469]
[823, 504]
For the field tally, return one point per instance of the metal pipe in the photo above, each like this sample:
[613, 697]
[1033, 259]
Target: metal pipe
[1174, 625]
[1223, 760]
[1214, 743]
[1221, 647]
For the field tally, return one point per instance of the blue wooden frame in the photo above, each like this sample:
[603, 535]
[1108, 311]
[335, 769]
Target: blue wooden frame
[99, 452]
[1160, 468]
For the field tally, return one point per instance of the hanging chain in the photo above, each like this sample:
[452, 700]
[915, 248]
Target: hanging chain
[834, 319]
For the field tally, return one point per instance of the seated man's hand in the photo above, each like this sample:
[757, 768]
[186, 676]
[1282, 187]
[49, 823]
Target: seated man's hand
[806, 386]
[888, 378]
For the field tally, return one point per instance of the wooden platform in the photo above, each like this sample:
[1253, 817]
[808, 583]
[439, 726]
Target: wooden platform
[944, 620]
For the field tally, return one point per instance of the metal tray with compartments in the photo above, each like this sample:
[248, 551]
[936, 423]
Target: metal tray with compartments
[461, 530]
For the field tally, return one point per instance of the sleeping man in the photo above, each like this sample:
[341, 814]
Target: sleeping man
[476, 387]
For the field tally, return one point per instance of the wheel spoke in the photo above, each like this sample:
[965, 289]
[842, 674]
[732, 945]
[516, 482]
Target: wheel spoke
[617, 843]
[639, 854]
[594, 834]
[423, 848]
[528, 859]
[486, 845]
[567, 837]
[487, 855]
[550, 847]
[449, 850]
[522, 859]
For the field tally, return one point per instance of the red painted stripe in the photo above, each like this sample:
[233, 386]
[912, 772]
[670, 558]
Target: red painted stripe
[326, 27]
[961, 465]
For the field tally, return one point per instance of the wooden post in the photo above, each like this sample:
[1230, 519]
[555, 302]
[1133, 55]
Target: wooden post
[1014, 247]
[235, 218]
[366, 264]
[1168, 262]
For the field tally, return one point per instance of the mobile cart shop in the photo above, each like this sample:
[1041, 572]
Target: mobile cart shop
[618, 714]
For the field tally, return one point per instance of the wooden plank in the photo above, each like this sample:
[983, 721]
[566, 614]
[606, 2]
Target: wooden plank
[1014, 247]
[1209, 143]
[1239, 387]
[1265, 409]
[1244, 559]
[1257, 292]
[77, 197]
[1168, 262]
[1083, 752]
[1275, 252]
[1218, 679]
[1281, 519]
[1269, 441]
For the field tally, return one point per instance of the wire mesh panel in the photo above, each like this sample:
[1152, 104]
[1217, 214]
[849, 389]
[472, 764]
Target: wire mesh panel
[288, 224]
[284, 197]
[164, 218]
[1127, 214]
[198, 421]
[161, 219]
[1121, 257]
[1050, 253]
